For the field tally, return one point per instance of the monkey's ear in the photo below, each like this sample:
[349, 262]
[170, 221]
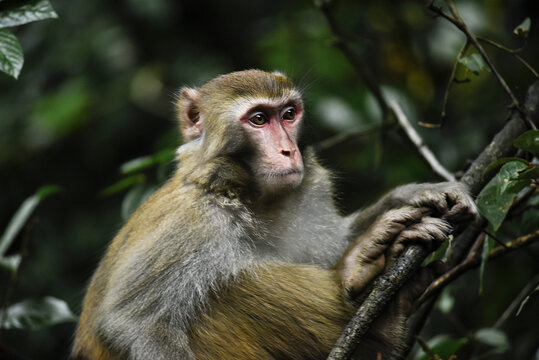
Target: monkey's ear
[189, 113]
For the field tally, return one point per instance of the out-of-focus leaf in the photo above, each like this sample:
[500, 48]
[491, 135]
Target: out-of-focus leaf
[59, 113]
[493, 337]
[37, 314]
[496, 198]
[526, 299]
[144, 162]
[11, 57]
[528, 141]
[530, 174]
[474, 63]
[48, 190]
[501, 161]
[10, 263]
[442, 345]
[34, 11]
[124, 184]
[446, 302]
[135, 197]
[524, 28]
[488, 245]
[23, 213]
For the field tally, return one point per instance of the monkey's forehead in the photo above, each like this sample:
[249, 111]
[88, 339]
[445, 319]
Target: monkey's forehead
[250, 84]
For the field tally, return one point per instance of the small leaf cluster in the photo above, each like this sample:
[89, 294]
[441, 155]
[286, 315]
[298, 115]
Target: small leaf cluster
[11, 56]
[30, 314]
[515, 174]
[136, 180]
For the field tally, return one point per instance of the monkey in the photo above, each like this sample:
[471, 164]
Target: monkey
[242, 253]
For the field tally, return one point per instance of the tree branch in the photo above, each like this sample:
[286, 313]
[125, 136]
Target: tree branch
[361, 66]
[461, 25]
[420, 145]
[387, 285]
[473, 260]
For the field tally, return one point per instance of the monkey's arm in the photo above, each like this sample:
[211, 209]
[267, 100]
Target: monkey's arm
[449, 200]
[270, 309]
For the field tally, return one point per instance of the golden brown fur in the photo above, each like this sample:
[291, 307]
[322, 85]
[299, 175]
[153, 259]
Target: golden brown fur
[240, 254]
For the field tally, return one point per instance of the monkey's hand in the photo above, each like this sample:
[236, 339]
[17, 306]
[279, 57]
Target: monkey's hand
[375, 250]
[447, 200]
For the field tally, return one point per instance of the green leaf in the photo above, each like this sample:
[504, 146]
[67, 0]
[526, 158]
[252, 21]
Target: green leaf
[10, 263]
[144, 162]
[442, 345]
[135, 197]
[11, 57]
[530, 174]
[493, 337]
[61, 112]
[501, 161]
[528, 141]
[23, 214]
[474, 63]
[446, 302]
[34, 11]
[37, 314]
[124, 184]
[48, 190]
[497, 196]
[524, 28]
[526, 299]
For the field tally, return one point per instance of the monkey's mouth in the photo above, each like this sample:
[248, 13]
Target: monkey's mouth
[284, 179]
[280, 174]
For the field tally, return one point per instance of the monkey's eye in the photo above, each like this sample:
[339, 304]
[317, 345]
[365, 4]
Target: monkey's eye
[259, 120]
[289, 114]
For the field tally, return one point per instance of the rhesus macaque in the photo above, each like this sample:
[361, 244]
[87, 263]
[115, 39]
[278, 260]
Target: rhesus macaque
[242, 253]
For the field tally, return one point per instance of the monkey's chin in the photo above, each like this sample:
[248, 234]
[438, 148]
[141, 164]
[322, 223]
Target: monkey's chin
[283, 180]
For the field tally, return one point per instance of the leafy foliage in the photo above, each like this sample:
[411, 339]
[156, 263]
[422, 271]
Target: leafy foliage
[97, 88]
[11, 57]
[497, 196]
[474, 63]
[37, 314]
[23, 214]
[524, 28]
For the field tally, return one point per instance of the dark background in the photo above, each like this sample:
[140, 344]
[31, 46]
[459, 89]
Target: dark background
[97, 90]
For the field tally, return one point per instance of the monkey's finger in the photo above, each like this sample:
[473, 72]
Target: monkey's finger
[463, 208]
[430, 231]
[356, 280]
[434, 200]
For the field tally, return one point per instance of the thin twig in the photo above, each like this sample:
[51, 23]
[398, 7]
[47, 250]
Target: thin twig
[418, 142]
[361, 66]
[513, 52]
[461, 25]
[526, 291]
[473, 260]
[451, 80]
[342, 138]
[15, 276]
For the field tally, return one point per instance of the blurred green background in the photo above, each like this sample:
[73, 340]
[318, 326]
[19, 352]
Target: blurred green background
[98, 86]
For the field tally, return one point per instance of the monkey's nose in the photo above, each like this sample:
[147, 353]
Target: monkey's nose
[286, 153]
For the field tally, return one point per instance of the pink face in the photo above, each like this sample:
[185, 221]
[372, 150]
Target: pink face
[273, 128]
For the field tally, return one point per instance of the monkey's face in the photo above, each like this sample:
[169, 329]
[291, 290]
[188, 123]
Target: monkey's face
[252, 115]
[271, 127]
